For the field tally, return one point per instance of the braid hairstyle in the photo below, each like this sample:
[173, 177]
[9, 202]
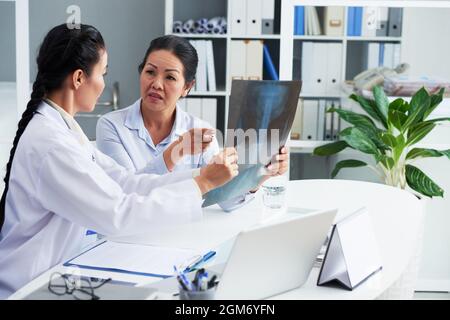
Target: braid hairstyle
[62, 52]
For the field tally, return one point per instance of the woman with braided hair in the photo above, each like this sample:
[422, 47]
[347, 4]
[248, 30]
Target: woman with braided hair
[57, 185]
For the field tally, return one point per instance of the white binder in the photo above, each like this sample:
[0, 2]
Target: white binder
[321, 119]
[319, 69]
[267, 16]
[201, 68]
[238, 58]
[307, 67]
[369, 22]
[238, 15]
[194, 107]
[334, 21]
[334, 65]
[209, 111]
[309, 130]
[373, 53]
[352, 254]
[389, 55]
[254, 60]
[254, 12]
[210, 66]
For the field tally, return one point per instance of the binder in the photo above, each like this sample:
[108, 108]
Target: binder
[334, 21]
[201, 76]
[373, 52]
[321, 120]
[336, 122]
[210, 66]
[209, 111]
[238, 52]
[334, 64]
[381, 55]
[254, 60]
[396, 55]
[358, 21]
[351, 21]
[310, 110]
[299, 23]
[194, 107]
[352, 254]
[267, 16]
[389, 55]
[307, 67]
[319, 69]
[238, 17]
[369, 22]
[395, 22]
[328, 123]
[382, 27]
[253, 17]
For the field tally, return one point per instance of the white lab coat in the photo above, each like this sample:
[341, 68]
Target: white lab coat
[59, 188]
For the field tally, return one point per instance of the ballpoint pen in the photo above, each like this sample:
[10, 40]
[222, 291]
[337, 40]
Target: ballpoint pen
[205, 258]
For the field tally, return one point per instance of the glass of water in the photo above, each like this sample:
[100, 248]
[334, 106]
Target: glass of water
[274, 192]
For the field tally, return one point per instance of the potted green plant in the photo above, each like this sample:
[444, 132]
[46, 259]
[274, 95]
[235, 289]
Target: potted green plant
[389, 132]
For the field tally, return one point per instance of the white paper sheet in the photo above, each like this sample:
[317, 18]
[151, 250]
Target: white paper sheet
[145, 259]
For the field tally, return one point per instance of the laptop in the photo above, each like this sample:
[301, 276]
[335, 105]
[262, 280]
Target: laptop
[268, 259]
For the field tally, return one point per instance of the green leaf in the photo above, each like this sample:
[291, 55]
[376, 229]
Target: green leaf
[399, 105]
[356, 119]
[419, 132]
[437, 120]
[425, 153]
[358, 140]
[398, 150]
[419, 104]
[420, 182]
[347, 164]
[436, 99]
[397, 119]
[367, 106]
[389, 139]
[419, 99]
[330, 148]
[381, 101]
[388, 162]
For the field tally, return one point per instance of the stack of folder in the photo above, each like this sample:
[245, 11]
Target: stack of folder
[206, 73]
[252, 17]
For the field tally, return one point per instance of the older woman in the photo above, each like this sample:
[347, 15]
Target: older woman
[154, 135]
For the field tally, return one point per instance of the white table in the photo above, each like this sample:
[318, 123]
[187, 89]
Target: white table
[396, 215]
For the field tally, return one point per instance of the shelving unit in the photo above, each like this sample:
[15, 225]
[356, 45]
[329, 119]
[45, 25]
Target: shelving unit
[280, 44]
[210, 9]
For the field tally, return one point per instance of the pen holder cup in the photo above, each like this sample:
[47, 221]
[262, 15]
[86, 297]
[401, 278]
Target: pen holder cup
[198, 295]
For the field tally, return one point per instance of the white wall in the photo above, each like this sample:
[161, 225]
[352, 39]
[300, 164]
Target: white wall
[426, 42]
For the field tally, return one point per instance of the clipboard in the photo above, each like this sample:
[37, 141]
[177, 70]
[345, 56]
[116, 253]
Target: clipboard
[141, 260]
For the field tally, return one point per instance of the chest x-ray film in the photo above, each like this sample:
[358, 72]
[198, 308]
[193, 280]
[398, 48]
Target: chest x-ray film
[259, 120]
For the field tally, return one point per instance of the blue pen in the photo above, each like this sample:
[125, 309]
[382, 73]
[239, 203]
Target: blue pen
[205, 258]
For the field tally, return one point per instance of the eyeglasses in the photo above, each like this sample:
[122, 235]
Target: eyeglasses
[81, 288]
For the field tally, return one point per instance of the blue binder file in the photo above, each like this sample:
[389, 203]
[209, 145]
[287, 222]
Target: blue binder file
[351, 21]
[299, 20]
[358, 21]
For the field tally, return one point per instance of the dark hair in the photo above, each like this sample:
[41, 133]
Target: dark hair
[62, 52]
[181, 48]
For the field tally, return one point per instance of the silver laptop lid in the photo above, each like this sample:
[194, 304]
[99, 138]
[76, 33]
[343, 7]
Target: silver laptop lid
[273, 258]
